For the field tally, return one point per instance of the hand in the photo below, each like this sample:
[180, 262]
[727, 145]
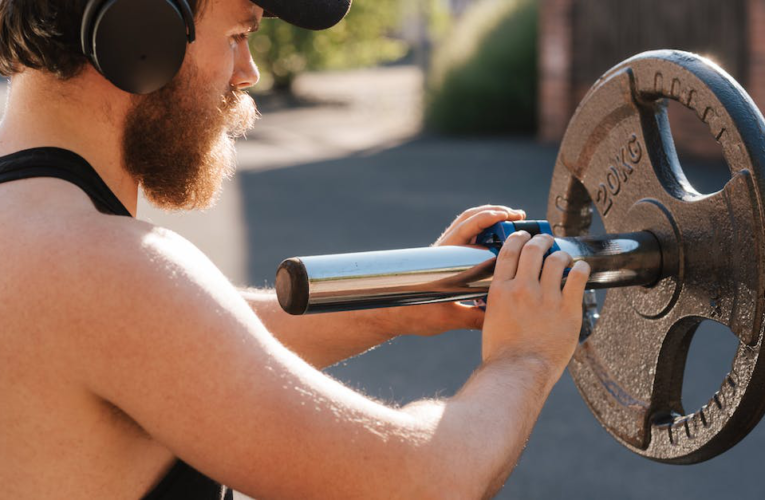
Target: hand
[434, 319]
[527, 312]
[471, 222]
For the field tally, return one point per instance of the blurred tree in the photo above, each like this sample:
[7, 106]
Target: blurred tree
[364, 38]
[483, 77]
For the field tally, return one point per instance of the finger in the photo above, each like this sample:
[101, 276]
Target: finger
[513, 214]
[552, 271]
[465, 232]
[532, 255]
[451, 237]
[507, 260]
[576, 281]
[472, 227]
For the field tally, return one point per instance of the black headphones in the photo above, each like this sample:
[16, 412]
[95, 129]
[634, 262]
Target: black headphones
[138, 45]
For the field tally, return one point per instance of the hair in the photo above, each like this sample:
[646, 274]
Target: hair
[45, 35]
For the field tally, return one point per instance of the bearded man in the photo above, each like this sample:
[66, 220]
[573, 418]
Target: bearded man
[130, 367]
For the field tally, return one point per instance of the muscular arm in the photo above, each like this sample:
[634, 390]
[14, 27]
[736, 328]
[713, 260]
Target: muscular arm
[520, 385]
[152, 327]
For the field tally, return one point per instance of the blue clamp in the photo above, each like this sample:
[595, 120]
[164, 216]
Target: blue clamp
[494, 237]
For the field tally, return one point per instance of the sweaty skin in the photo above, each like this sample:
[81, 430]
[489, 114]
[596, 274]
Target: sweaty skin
[124, 347]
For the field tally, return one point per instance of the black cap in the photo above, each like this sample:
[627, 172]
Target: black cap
[308, 14]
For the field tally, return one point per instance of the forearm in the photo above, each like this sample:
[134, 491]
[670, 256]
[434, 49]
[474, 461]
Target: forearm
[320, 339]
[465, 446]
[479, 434]
[460, 448]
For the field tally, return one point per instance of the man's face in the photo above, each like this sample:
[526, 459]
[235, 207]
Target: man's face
[178, 142]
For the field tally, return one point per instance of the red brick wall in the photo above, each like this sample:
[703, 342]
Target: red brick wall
[555, 94]
[581, 39]
[756, 44]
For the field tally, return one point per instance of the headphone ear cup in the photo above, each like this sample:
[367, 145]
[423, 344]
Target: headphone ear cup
[138, 45]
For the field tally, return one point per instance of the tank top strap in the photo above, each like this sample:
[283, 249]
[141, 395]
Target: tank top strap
[62, 164]
[183, 482]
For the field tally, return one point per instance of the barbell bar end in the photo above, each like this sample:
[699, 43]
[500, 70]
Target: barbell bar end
[292, 287]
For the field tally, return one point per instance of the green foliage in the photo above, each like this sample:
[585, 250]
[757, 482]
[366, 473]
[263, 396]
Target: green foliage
[484, 76]
[362, 39]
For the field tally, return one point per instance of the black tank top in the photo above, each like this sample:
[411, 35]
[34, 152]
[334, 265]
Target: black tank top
[182, 482]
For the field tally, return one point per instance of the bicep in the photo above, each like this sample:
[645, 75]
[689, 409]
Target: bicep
[171, 343]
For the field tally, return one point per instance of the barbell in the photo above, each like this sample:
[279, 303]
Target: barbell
[671, 257]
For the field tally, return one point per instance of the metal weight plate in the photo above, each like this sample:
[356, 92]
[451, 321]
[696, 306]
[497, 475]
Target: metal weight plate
[618, 156]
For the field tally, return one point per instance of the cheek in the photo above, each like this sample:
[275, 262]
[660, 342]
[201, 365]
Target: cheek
[224, 61]
[215, 59]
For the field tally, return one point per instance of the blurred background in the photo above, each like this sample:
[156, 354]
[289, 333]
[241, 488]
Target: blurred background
[377, 133]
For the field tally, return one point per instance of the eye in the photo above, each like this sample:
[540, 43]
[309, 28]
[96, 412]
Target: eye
[241, 37]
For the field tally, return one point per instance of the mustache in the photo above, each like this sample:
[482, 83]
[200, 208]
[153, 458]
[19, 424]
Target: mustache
[240, 112]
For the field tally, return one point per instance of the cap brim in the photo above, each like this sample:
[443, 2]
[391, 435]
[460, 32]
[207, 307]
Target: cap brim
[312, 14]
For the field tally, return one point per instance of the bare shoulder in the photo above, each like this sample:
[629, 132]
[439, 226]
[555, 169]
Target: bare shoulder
[108, 270]
[52, 231]
[89, 285]
[66, 255]
[85, 283]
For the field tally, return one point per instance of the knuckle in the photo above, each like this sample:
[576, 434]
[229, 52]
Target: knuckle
[560, 258]
[576, 271]
[479, 209]
[510, 246]
[521, 288]
[535, 245]
[518, 294]
[579, 272]
[489, 214]
[508, 254]
[557, 258]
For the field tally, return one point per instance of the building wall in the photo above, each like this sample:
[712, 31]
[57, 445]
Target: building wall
[581, 39]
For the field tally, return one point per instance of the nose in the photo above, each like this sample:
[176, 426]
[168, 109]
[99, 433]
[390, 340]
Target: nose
[246, 72]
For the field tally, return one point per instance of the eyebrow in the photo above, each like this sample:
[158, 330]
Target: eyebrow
[253, 23]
